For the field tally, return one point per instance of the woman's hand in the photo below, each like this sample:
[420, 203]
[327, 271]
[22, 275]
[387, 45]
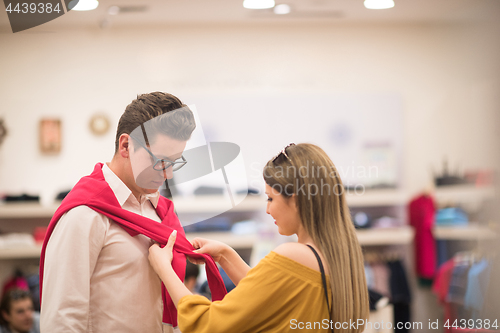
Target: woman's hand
[159, 257]
[214, 248]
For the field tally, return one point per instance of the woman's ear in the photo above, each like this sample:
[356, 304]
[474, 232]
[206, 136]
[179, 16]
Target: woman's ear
[124, 145]
[292, 202]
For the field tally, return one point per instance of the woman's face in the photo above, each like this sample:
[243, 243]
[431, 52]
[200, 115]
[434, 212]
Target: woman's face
[284, 212]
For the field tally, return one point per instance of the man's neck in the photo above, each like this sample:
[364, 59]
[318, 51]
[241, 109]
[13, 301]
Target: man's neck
[118, 167]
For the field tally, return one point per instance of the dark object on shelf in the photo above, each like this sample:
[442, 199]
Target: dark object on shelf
[361, 220]
[449, 180]
[22, 198]
[446, 178]
[213, 224]
[250, 191]
[209, 190]
[62, 195]
[3, 131]
[382, 186]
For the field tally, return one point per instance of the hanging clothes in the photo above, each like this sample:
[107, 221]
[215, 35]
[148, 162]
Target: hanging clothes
[440, 288]
[400, 293]
[421, 213]
[477, 282]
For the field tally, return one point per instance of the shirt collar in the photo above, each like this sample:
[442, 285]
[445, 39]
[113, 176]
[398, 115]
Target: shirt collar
[121, 191]
[153, 197]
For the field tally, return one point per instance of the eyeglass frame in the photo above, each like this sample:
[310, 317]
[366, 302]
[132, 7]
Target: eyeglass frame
[283, 151]
[157, 160]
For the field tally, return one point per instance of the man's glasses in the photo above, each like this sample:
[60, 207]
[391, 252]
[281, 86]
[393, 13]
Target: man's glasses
[162, 164]
[283, 153]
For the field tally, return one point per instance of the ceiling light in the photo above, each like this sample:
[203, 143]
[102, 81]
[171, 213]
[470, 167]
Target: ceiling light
[282, 9]
[83, 5]
[258, 4]
[379, 4]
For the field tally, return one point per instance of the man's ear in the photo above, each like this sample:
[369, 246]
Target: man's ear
[5, 316]
[124, 145]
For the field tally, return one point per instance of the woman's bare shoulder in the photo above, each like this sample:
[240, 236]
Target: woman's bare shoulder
[298, 252]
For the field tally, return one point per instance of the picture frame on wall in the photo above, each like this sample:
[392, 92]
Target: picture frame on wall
[50, 136]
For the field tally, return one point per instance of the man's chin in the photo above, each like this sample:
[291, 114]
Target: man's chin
[150, 186]
[149, 189]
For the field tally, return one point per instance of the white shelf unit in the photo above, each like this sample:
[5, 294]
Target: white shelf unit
[214, 204]
[468, 196]
[467, 232]
[18, 212]
[463, 193]
[21, 252]
[385, 236]
[389, 236]
[26, 211]
[376, 198]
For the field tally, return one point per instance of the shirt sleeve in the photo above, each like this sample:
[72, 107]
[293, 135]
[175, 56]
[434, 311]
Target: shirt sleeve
[241, 310]
[70, 258]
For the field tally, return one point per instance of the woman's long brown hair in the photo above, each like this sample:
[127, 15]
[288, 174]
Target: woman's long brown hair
[306, 171]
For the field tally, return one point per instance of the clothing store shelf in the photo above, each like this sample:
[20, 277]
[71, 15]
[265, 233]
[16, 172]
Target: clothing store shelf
[366, 237]
[26, 210]
[202, 204]
[385, 236]
[24, 252]
[467, 232]
[452, 194]
[219, 203]
[216, 204]
[378, 197]
[229, 238]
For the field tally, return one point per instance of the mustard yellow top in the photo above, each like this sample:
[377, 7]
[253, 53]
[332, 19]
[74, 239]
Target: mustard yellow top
[277, 295]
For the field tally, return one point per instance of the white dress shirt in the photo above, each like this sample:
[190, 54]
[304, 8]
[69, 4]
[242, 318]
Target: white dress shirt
[97, 277]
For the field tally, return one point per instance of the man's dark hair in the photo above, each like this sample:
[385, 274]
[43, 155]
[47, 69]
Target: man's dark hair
[8, 298]
[146, 107]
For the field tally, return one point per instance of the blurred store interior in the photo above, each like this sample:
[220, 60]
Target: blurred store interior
[405, 101]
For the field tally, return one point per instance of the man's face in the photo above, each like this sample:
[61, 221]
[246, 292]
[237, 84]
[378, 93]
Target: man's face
[20, 317]
[147, 179]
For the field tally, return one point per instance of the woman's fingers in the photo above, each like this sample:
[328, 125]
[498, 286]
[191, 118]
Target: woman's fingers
[198, 242]
[171, 240]
[196, 261]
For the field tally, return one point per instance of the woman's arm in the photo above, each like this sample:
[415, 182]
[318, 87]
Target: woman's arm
[235, 267]
[161, 261]
[226, 256]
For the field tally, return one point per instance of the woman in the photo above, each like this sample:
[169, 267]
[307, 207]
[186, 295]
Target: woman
[286, 290]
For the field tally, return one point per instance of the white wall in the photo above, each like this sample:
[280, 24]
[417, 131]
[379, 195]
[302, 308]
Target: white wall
[446, 75]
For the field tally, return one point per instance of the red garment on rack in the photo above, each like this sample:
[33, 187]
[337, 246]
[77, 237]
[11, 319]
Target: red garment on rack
[93, 191]
[440, 288]
[421, 213]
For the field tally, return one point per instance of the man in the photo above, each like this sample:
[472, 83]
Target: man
[94, 269]
[17, 314]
